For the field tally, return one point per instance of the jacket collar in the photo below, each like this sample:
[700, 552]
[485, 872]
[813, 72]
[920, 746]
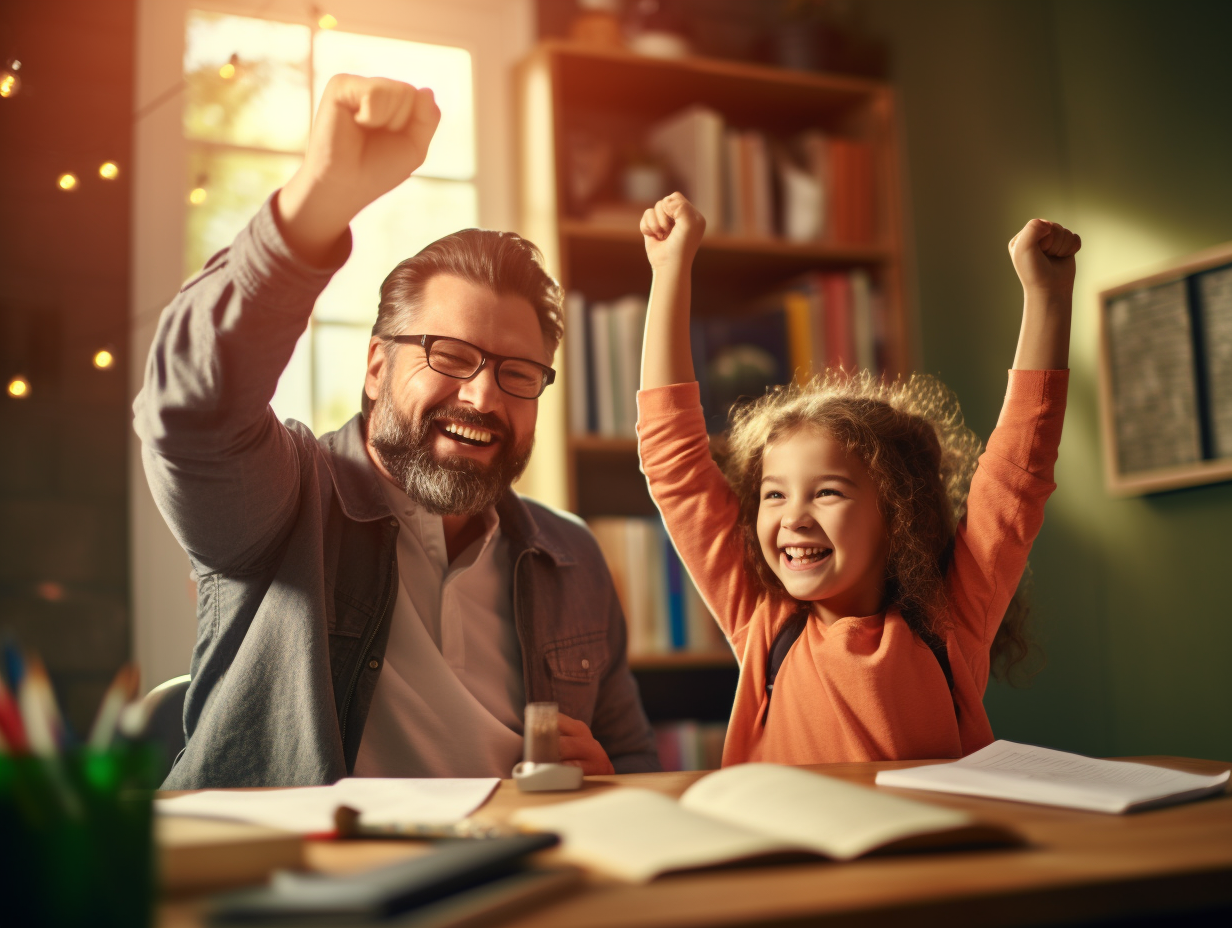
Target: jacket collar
[359, 494]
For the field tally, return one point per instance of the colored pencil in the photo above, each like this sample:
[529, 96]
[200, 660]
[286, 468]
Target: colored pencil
[44, 726]
[11, 726]
[121, 692]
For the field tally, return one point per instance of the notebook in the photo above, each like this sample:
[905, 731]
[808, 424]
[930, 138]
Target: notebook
[746, 812]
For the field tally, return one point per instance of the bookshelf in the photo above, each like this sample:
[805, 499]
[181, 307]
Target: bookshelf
[562, 89]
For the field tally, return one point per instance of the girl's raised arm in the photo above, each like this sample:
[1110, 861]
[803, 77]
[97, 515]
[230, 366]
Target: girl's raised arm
[1043, 255]
[673, 229]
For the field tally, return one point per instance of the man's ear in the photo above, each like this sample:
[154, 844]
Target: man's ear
[378, 356]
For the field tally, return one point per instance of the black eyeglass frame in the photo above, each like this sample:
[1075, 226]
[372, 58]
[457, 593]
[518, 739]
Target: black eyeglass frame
[426, 341]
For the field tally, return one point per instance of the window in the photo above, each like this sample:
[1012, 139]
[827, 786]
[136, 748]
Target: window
[252, 86]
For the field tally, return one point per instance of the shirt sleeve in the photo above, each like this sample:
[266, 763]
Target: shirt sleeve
[1005, 510]
[698, 507]
[221, 467]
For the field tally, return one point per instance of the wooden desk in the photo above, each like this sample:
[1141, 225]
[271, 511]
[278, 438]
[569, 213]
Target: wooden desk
[1078, 866]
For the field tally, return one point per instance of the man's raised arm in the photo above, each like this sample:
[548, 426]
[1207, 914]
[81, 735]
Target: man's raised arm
[224, 472]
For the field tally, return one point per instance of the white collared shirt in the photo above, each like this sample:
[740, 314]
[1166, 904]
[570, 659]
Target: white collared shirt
[449, 699]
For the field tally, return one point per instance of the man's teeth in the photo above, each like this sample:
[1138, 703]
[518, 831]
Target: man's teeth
[796, 553]
[466, 431]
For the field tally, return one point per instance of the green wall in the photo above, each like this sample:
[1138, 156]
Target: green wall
[1114, 117]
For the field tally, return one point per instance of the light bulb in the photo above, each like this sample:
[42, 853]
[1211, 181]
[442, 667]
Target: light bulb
[10, 83]
[197, 196]
[327, 21]
[108, 170]
[67, 181]
[228, 70]
[19, 388]
[103, 359]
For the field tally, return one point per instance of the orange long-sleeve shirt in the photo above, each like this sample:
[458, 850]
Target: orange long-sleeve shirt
[864, 688]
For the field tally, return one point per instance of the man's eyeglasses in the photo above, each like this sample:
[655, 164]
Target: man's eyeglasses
[461, 360]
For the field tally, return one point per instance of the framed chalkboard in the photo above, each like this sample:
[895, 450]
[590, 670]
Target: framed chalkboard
[1166, 376]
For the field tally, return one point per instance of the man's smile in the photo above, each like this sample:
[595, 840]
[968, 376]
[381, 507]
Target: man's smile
[466, 434]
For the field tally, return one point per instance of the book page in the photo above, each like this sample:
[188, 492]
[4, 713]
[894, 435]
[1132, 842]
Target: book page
[1006, 770]
[836, 818]
[636, 834]
[310, 809]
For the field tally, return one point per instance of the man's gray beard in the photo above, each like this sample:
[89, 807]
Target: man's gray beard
[451, 486]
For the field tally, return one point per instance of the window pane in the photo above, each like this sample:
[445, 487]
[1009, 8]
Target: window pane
[293, 398]
[393, 228]
[236, 183]
[264, 103]
[445, 69]
[340, 358]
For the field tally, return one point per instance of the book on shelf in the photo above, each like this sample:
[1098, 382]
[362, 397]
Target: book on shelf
[736, 358]
[818, 320]
[746, 812]
[664, 612]
[690, 744]
[1025, 773]
[810, 187]
[690, 142]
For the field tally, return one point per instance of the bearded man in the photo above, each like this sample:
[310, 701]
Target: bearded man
[376, 601]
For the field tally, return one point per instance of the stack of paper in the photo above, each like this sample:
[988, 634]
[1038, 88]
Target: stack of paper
[310, 809]
[1023, 773]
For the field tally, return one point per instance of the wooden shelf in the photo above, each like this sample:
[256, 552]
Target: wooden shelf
[563, 89]
[603, 445]
[653, 87]
[678, 660]
[606, 261]
[728, 245]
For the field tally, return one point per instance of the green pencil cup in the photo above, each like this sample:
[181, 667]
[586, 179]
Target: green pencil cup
[76, 838]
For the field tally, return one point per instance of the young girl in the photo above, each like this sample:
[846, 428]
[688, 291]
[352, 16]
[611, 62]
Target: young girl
[835, 554]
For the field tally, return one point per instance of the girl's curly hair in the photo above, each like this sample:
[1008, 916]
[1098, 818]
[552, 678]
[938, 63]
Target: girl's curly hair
[920, 455]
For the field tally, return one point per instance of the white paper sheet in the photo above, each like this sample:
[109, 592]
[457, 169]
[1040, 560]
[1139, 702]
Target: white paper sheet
[310, 809]
[1021, 772]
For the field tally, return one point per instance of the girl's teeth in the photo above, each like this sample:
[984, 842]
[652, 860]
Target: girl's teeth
[795, 552]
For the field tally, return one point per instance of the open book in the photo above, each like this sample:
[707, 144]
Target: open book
[743, 812]
[1020, 772]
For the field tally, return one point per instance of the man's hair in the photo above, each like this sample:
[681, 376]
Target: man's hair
[504, 262]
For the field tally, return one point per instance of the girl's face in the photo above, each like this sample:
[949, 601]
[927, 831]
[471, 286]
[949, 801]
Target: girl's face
[819, 525]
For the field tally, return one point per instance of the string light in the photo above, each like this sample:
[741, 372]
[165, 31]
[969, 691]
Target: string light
[108, 170]
[67, 181]
[19, 388]
[103, 359]
[198, 192]
[228, 70]
[327, 21]
[10, 83]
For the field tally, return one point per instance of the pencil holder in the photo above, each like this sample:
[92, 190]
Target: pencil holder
[77, 838]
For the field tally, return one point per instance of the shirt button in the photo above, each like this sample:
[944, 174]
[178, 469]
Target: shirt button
[374, 663]
[585, 664]
[393, 522]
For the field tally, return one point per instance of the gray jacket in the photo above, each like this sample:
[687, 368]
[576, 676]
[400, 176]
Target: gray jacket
[293, 546]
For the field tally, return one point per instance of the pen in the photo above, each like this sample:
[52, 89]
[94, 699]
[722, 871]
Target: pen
[347, 825]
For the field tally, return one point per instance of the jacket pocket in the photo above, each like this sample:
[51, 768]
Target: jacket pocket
[576, 666]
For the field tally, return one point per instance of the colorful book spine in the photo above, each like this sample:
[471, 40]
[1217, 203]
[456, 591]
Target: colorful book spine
[663, 611]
